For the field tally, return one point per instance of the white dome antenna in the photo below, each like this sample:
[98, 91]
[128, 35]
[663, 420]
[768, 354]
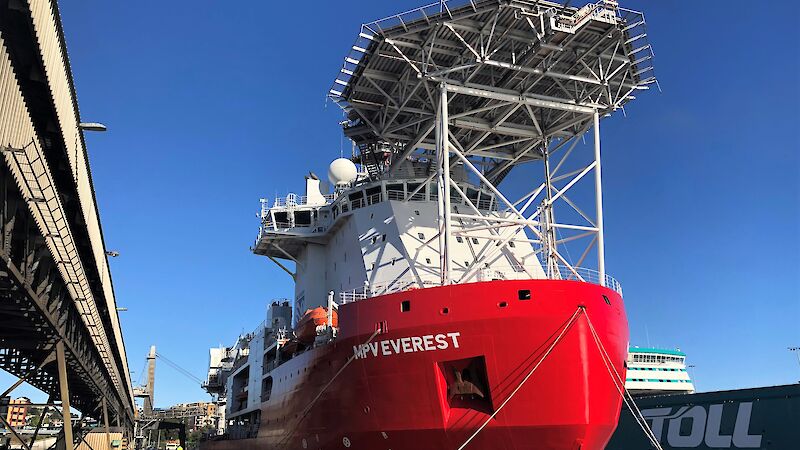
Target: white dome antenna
[342, 172]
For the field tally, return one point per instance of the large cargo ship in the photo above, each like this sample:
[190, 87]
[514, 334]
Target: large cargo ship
[429, 310]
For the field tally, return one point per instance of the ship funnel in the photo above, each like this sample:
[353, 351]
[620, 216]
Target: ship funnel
[314, 196]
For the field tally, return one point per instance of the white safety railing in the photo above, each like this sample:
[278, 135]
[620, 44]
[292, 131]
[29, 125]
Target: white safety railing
[376, 289]
[602, 11]
[561, 272]
[489, 274]
[292, 200]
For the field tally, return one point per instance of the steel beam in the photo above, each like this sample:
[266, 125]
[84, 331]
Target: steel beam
[598, 192]
[444, 182]
[105, 423]
[63, 387]
[525, 99]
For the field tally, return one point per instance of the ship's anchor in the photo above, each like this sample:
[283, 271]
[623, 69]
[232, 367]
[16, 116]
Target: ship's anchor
[572, 319]
[461, 387]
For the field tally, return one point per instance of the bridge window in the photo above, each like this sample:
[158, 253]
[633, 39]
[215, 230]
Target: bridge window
[373, 195]
[405, 306]
[282, 218]
[302, 218]
[472, 195]
[356, 199]
[419, 196]
[395, 192]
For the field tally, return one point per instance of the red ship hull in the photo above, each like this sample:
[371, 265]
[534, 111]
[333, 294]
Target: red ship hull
[397, 389]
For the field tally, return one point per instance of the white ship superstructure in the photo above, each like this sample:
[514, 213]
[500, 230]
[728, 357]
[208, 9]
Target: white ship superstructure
[657, 371]
[373, 237]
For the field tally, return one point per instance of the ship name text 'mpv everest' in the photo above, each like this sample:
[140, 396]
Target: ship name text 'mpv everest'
[450, 287]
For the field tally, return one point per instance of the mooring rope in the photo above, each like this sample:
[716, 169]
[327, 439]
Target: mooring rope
[524, 380]
[620, 385]
[307, 409]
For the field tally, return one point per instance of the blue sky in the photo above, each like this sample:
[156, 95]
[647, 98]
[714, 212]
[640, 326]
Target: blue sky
[211, 107]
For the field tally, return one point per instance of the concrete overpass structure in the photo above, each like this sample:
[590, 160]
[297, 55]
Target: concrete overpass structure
[59, 328]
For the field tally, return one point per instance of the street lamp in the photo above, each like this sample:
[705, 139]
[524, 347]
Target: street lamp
[92, 126]
[796, 351]
[691, 374]
[86, 126]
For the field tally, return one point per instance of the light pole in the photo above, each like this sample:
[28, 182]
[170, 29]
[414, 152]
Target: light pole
[86, 126]
[796, 351]
[691, 374]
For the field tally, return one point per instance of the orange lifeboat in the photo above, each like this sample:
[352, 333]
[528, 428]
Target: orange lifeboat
[306, 329]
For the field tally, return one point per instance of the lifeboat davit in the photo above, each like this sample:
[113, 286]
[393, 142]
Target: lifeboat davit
[306, 329]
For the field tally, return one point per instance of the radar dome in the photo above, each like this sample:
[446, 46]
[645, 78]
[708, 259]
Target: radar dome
[342, 171]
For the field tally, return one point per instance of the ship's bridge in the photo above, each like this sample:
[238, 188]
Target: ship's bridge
[287, 223]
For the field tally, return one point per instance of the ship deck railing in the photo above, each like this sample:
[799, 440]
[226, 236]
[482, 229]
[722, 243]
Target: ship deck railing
[290, 201]
[510, 272]
[559, 272]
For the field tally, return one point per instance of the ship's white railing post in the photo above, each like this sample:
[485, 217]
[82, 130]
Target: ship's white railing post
[331, 304]
[443, 173]
[598, 192]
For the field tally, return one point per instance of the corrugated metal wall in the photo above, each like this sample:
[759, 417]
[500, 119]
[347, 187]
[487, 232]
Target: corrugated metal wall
[763, 418]
[98, 441]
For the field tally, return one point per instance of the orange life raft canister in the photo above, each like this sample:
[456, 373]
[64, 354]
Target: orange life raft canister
[306, 329]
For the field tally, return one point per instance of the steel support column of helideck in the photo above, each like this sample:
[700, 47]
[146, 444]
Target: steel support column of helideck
[598, 192]
[549, 243]
[443, 172]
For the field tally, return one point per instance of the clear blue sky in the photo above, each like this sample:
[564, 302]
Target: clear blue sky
[211, 106]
